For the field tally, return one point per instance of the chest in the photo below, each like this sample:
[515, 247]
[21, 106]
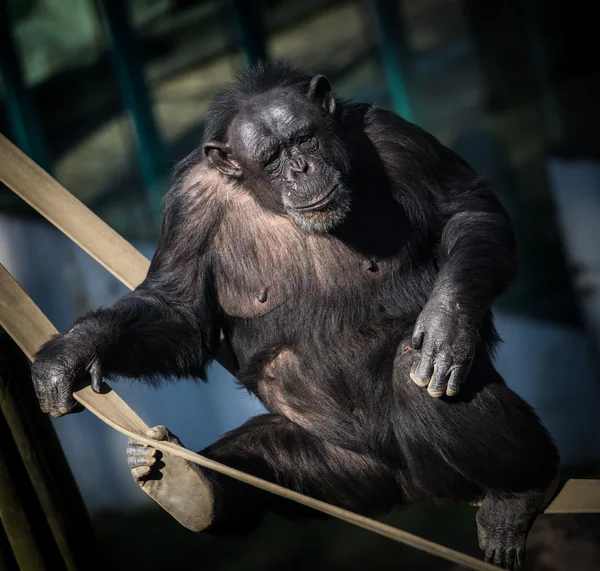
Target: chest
[268, 263]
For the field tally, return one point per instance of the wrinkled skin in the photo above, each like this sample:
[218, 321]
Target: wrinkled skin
[286, 148]
[447, 341]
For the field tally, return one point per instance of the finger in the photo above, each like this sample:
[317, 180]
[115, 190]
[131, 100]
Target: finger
[510, 558]
[417, 337]
[499, 557]
[135, 461]
[96, 375]
[44, 402]
[40, 393]
[158, 432]
[61, 400]
[489, 555]
[413, 375]
[521, 556]
[455, 381]
[162, 433]
[425, 368]
[68, 405]
[457, 377]
[140, 472]
[437, 385]
[142, 451]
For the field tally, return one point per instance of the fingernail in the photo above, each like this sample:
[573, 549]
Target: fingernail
[418, 380]
[435, 392]
[153, 433]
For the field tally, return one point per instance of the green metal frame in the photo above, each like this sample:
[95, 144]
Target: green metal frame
[129, 70]
[247, 18]
[395, 55]
[26, 131]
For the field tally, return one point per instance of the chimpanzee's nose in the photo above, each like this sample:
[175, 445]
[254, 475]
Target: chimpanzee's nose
[298, 165]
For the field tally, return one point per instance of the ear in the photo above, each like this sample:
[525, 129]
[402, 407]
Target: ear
[320, 92]
[218, 155]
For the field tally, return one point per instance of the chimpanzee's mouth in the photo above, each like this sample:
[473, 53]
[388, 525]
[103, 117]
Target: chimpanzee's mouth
[319, 203]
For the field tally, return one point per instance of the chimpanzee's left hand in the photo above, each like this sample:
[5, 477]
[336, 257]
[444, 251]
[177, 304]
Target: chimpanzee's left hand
[447, 340]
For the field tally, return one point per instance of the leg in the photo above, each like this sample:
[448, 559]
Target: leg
[504, 521]
[520, 483]
[490, 446]
[273, 448]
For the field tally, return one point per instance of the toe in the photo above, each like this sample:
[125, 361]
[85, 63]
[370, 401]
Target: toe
[140, 472]
[162, 433]
[521, 556]
[146, 451]
[158, 433]
[135, 461]
[482, 538]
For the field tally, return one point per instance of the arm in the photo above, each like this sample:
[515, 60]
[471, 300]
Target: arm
[166, 326]
[475, 256]
[476, 260]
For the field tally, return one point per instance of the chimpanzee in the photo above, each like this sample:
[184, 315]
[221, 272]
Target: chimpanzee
[342, 251]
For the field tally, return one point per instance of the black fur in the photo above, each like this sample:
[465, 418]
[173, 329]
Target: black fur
[330, 310]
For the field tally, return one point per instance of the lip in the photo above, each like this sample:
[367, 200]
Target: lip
[319, 203]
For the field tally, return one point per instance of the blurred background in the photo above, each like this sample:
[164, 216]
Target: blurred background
[109, 95]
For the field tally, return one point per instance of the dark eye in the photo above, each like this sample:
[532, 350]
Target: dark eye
[306, 141]
[272, 158]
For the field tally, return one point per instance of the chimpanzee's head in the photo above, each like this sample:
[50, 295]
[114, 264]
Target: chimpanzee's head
[281, 145]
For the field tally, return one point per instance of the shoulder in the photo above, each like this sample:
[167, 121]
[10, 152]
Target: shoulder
[383, 127]
[197, 187]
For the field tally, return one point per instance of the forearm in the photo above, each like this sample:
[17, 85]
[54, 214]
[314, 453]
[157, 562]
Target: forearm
[142, 336]
[477, 261]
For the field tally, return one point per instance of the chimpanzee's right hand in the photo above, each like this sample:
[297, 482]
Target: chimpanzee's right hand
[58, 366]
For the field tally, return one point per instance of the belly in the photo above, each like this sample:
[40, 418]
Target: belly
[338, 389]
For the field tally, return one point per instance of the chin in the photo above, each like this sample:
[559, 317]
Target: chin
[327, 218]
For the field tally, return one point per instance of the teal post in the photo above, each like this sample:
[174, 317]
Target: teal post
[129, 69]
[26, 131]
[395, 55]
[247, 18]
[539, 62]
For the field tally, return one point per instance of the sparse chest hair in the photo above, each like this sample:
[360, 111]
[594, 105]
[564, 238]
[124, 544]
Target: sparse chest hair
[265, 261]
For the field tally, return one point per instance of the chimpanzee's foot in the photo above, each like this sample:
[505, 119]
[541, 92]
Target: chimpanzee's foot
[503, 524]
[179, 486]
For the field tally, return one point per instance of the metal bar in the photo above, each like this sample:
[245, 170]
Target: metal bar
[22, 118]
[247, 18]
[129, 69]
[550, 106]
[395, 55]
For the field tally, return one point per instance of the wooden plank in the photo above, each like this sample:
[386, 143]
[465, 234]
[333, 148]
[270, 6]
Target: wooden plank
[43, 459]
[36, 187]
[576, 496]
[24, 543]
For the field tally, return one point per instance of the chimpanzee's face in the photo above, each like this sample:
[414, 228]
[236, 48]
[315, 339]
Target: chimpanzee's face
[287, 150]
